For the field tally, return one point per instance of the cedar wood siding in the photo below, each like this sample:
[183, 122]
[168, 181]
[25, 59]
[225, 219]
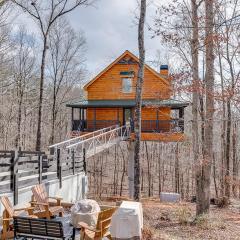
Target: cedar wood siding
[105, 114]
[114, 113]
[150, 113]
[109, 85]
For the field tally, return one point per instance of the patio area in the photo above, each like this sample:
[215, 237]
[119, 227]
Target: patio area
[51, 217]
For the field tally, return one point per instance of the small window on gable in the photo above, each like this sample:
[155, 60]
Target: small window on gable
[127, 85]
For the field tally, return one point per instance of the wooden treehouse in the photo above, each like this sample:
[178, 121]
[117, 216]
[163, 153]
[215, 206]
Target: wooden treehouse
[110, 100]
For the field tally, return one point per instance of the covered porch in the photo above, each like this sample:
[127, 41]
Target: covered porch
[158, 116]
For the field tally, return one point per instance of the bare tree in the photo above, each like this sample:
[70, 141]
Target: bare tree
[24, 63]
[45, 13]
[203, 189]
[138, 107]
[66, 58]
[5, 46]
[195, 94]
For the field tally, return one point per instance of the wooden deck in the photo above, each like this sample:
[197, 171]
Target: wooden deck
[162, 137]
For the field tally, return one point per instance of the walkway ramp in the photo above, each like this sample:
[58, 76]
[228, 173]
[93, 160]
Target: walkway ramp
[92, 143]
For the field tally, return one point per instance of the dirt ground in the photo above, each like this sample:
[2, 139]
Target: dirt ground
[165, 221]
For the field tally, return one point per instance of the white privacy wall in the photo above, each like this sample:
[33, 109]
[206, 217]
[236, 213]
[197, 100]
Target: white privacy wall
[74, 188]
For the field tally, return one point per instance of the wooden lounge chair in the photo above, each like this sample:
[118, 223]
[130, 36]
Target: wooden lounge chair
[8, 213]
[41, 202]
[102, 227]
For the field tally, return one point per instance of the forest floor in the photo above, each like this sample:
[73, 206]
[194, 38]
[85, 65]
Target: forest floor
[165, 221]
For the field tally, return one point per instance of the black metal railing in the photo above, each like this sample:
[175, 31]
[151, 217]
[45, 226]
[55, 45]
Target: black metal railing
[173, 125]
[92, 125]
[164, 126]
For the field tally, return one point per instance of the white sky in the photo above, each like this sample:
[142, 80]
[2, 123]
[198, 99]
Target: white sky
[109, 30]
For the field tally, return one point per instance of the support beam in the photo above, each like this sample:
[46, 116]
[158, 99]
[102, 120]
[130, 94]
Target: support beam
[118, 116]
[94, 119]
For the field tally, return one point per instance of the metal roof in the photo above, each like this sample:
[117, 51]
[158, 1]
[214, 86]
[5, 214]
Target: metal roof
[173, 103]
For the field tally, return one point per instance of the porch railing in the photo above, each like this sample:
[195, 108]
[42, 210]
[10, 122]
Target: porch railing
[173, 125]
[92, 125]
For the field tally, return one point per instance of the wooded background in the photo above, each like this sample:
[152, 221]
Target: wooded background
[181, 29]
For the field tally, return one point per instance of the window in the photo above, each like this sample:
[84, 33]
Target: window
[127, 85]
[76, 113]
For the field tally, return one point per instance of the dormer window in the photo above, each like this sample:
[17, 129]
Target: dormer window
[127, 85]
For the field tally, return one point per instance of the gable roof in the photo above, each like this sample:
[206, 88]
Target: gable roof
[119, 58]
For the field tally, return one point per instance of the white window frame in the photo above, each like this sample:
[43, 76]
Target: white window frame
[125, 85]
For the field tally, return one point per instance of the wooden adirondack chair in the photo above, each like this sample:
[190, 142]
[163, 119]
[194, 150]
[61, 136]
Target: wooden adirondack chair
[8, 213]
[43, 205]
[102, 228]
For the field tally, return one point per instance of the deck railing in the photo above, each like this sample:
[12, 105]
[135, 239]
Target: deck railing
[173, 125]
[92, 125]
[163, 126]
[19, 169]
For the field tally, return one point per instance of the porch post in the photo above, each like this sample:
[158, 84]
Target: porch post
[181, 118]
[83, 117]
[158, 130]
[118, 116]
[80, 119]
[72, 119]
[94, 119]
[181, 112]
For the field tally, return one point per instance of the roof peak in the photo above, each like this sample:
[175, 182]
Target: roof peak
[117, 60]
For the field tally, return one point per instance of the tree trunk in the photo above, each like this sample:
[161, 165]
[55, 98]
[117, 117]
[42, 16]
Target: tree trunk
[19, 118]
[39, 121]
[54, 116]
[227, 158]
[235, 163]
[123, 172]
[214, 176]
[148, 170]
[138, 107]
[195, 96]
[159, 170]
[131, 169]
[176, 169]
[229, 121]
[203, 186]
[223, 127]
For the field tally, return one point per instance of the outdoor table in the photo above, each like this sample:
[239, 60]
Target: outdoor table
[127, 221]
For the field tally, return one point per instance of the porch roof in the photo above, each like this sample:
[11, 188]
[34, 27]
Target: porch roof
[173, 103]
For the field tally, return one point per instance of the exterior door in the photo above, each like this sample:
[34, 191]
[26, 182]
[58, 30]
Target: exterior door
[127, 115]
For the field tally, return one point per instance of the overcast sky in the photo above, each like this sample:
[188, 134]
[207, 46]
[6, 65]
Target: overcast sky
[110, 28]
